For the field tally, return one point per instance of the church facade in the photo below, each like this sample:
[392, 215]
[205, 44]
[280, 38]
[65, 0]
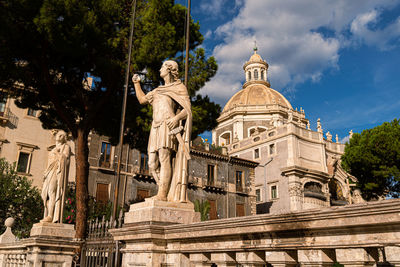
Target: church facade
[298, 167]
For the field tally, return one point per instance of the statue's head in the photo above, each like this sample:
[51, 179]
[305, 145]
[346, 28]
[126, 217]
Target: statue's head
[357, 192]
[172, 68]
[61, 136]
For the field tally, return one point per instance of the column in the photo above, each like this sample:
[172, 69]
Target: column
[281, 258]
[356, 257]
[224, 259]
[178, 259]
[316, 257]
[392, 255]
[200, 259]
[251, 258]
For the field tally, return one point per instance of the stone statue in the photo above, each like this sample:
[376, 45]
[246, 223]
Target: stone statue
[329, 136]
[357, 197]
[351, 133]
[290, 116]
[319, 127]
[169, 139]
[56, 179]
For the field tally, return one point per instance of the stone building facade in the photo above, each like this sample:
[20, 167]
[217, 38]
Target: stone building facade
[298, 168]
[227, 183]
[25, 142]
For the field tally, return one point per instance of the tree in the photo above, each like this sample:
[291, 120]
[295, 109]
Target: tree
[203, 207]
[49, 48]
[374, 158]
[18, 199]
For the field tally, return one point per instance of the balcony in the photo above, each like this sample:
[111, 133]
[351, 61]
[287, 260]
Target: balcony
[5, 115]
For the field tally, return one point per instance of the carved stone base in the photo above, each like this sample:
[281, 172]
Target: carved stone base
[57, 230]
[162, 211]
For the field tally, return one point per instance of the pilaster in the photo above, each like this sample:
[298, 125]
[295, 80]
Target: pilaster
[316, 257]
[224, 259]
[251, 258]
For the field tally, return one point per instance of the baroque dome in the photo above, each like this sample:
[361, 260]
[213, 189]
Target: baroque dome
[257, 94]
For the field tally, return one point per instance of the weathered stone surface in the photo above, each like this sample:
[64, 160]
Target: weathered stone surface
[57, 230]
[355, 235]
[8, 236]
[162, 211]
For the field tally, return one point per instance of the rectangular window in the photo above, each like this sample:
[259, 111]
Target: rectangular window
[257, 153]
[144, 163]
[213, 215]
[102, 193]
[274, 192]
[23, 162]
[239, 181]
[105, 156]
[32, 112]
[210, 174]
[3, 102]
[258, 195]
[272, 149]
[239, 210]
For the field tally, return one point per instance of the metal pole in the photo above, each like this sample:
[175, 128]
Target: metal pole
[187, 44]
[122, 126]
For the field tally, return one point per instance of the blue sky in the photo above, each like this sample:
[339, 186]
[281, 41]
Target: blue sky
[338, 60]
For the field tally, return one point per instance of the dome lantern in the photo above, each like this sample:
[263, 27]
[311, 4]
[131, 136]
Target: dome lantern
[256, 69]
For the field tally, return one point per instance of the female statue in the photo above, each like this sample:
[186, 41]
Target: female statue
[56, 179]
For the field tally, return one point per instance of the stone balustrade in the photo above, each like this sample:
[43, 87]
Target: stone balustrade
[365, 234]
[50, 244]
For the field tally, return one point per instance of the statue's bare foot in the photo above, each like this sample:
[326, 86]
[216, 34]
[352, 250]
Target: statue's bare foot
[47, 219]
[157, 197]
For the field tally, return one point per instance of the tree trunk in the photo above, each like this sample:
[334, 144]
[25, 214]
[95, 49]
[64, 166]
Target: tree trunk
[82, 175]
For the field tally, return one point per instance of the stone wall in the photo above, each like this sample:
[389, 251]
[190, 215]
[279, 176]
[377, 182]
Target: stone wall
[356, 235]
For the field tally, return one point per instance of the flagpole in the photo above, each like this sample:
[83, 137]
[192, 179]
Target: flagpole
[122, 125]
[187, 44]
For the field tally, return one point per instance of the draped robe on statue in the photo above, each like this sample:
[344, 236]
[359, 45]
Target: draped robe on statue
[56, 173]
[159, 137]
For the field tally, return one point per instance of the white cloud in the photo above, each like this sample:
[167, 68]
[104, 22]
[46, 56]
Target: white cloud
[345, 139]
[382, 38]
[289, 37]
[208, 34]
[213, 7]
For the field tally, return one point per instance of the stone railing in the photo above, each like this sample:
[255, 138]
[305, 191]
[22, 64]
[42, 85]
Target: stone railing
[50, 244]
[365, 234]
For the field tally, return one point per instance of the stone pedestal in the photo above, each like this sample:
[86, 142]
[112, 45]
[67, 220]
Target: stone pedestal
[144, 236]
[53, 230]
[51, 244]
[162, 211]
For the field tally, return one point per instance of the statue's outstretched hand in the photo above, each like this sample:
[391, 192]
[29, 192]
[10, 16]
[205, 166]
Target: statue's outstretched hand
[136, 78]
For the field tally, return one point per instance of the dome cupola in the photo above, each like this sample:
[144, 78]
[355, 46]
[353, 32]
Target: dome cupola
[256, 70]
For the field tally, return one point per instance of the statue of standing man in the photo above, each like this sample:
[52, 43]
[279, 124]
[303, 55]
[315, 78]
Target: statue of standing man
[168, 146]
[56, 179]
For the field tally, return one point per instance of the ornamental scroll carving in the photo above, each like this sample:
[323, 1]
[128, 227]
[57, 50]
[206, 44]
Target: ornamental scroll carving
[295, 190]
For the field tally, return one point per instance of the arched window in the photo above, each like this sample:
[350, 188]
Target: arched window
[255, 74]
[262, 74]
[249, 75]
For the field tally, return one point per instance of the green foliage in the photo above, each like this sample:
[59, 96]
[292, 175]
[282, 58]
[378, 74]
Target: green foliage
[203, 207]
[373, 157]
[51, 47]
[18, 199]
